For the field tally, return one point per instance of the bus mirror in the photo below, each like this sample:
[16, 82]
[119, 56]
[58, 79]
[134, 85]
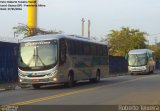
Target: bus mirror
[126, 57]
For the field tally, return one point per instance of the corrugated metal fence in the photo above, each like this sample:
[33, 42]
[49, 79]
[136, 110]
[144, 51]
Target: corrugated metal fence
[158, 64]
[117, 64]
[8, 62]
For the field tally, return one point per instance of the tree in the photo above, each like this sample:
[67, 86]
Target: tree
[124, 40]
[156, 49]
[26, 31]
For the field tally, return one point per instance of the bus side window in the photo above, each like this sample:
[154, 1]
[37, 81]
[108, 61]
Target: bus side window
[93, 49]
[80, 48]
[62, 51]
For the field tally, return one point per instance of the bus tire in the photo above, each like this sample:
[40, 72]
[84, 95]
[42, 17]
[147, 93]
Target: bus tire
[36, 86]
[71, 81]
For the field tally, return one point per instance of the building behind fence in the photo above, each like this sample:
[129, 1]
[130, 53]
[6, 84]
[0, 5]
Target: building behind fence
[8, 62]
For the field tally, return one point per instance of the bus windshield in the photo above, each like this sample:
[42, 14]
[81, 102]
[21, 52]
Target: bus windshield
[38, 55]
[137, 60]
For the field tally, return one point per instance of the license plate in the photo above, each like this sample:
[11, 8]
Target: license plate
[35, 80]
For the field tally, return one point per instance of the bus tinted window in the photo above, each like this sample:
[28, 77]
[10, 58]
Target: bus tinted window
[81, 48]
[71, 47]
[93, 49]
[86, 48]
[78, 48]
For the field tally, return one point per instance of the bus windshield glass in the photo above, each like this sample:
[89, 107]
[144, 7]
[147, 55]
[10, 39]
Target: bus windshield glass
[137, 60]
[40, 55]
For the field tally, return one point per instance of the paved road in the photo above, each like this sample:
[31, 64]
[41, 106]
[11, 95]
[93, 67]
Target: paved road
[137, 89]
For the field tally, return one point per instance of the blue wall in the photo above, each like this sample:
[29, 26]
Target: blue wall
[117, 64]
[8, 62]
[158, 64]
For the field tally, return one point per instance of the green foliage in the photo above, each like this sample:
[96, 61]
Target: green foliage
[121, 42]
[156, 49]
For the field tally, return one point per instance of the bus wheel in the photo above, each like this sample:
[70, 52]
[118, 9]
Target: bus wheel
[70, 80]
[36, 86]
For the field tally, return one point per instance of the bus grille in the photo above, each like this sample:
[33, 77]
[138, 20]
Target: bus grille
[36, 76]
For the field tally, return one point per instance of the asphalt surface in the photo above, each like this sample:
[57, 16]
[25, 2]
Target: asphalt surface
[136, 89]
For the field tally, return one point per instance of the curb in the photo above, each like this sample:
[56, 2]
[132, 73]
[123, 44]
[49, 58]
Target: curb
[9, 86]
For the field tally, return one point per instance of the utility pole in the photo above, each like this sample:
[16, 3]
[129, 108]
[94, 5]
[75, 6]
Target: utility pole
[89, 25]
[83, 26]
[32, 16]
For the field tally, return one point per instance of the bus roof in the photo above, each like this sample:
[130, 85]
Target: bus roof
[140, 51]
[58, 36]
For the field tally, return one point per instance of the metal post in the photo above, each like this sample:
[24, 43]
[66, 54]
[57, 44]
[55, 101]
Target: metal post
[89, 24]
[83, 26]
[32, 16]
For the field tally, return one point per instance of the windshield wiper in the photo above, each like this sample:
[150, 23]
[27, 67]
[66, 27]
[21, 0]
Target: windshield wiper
[35, 58]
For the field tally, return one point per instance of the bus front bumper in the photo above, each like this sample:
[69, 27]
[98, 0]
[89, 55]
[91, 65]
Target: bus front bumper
[141, 69]
[53, 80]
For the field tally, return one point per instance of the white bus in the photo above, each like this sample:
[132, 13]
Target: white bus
[141, 61]
[52, 59]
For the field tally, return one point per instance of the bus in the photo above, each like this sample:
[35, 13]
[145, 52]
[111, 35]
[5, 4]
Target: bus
[56, 59]
[141, 61]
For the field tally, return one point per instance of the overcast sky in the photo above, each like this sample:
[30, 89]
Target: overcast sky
[105, 15]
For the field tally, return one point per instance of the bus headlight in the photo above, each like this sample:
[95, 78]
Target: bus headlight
[20, 80]
[55, 79]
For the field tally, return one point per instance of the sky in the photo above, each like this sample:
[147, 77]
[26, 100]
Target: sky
[105, 15]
